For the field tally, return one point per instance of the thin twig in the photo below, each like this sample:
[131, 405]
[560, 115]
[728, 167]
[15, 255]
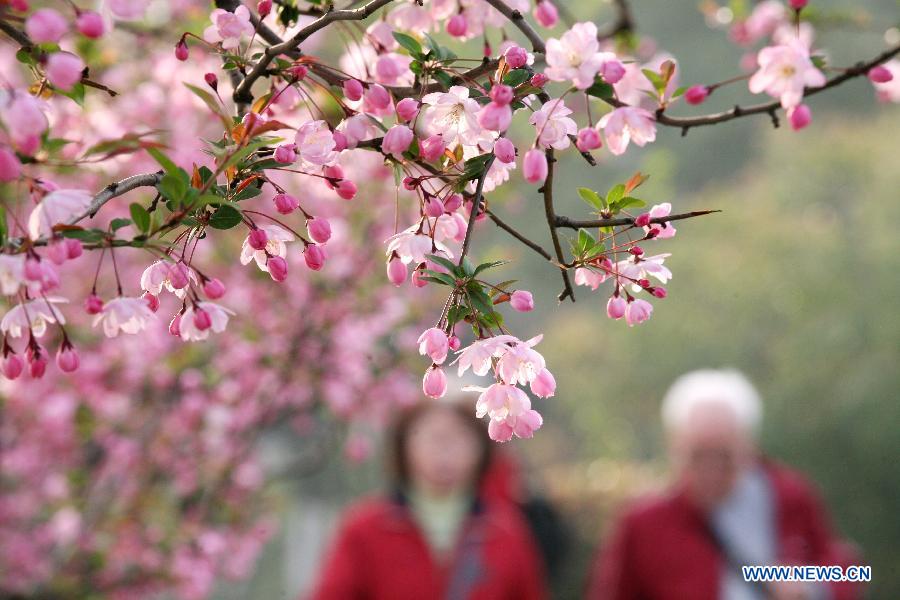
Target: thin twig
[562, 221]
[512, 231]
[547, 191]
[476, 205]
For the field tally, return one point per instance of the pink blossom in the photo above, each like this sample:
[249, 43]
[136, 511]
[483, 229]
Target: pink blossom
[407, 109]
[396, 271]
[46, 26]
[275, 238]
[315, 143]
[627, 124]
[516, 56]
[495, 117]
[504, 150]
[453, 115]
[129, 315]
[67, 359]
[201, 318]
[174, 277]
[397, 140]
[661, 231]
[553, 125]
[285, 203]
[588, 139]
[889, 91]
[590, 277]
[696, 94]
[286, 153]
[25, 121]
[59, 206]
[546, 14]
[544, 384]
[353, 90]
[615, 307]
[319, 229]
[784, 72]
[277, 268]
[377, 99]
[576, 56]
[432, 147]
[799, 116]
[434, 344]
[479, 354]
[637, 311]
[12, 273]
[33, 315]
[90, 24]
[522, 301]
[520, 363]
[434, 383]
[228, 27]
[456, 25]
[214, 288]
[127, 9]
[500, 401]
[534, 167]
[315, 256]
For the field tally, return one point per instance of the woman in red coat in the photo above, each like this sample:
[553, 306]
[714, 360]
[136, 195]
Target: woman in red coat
[434, 538]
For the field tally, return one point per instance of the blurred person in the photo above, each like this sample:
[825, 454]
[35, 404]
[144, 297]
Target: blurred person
[729, 507]
[436, 537]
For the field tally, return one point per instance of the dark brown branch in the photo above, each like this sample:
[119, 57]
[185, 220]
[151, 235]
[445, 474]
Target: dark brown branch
[547, 191]
[14, 34]
[476, 206]
[562, 221]
[511, 231]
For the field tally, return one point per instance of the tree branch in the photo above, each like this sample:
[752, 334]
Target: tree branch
[562, 221]
[547, 191]
[511, 231]
[117, 189]
[517, 19]
[476, 206]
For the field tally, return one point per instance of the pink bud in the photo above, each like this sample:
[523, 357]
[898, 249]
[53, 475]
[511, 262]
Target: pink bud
[378, 97]
[333, 172]
[539, 80]
[659, 291]
[502, 94]
[696, 94]
[397, 140]
[56, 251]
[636, 250]
[798, 4]
[546, 14]
[298, 72]
[396, 271]
[431, 148]
[455, 343]
[37, 364]
[67, 359]
[181, 50]
[410, 183]
[175, 325]
[799, 116]
[504, 150]
[64, 70]
[544, 385]
[407, 109]
[74, 249]
[495, 117]
[285, 203]
[278, 268]
[522, 301]
[264, 7]
[642, 220]
[516, 57]
[10, 167]
[417, 276]
[434, 383]
[151, 300]
[315, 256]
[534, 166]
[214, 288]
[202, 320]
[613, 71]
[615, 308]
[179, 275]
[13, 366]
[45, 25]
[434, 207]
[257, 239]
[638, 311]
[346, 189]
[880, 74]
[588, 139]
[340, 140]
[93, 304]
[19, 5]
[452, 202]
[353, 89]
[90, 24]
[644, 283]
[211, 80]
[319, 230]
[33, 270]
[457, 25]
[286, 153]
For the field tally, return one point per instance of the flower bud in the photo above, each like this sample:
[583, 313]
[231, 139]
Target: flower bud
[378, 97]
[93, 304]
[90, 24]
[37, 364]
[346, 189]
[286, 153]
[539, 80]
[257, 239]
[880, 74]
[502, 94]
[298, 72]
[315, 257]
[434, 383]
[452, 202]
[10, 166]
[522, 301]
[799, 117]
[175, 325]
[798, 4]
[181, 50]
[516, 57]
[67, 359]
[659, 291]
[636, 250]
[417, 276]
[407, 109]
[353, 89]
[202, 320]
[433, 207]
[504, 150]
[588, 139]
[211, 80]
[615, 307]
[546, 14]
[613, 71]
[319, 230]
[495, 117]
[12, 366]
[544, 385]
[46, 26]
[340, 140]
[64, 70]
[56, 251]
[534, 167]
[638, 311]
[278, 268]
[642, 220]
[74, 249]
[696, 94]
[431, 148]
[285, 203]
[264, 7]
[457, 25]
[214, 288]
[455, 343]
[396, 271]
[397, 140]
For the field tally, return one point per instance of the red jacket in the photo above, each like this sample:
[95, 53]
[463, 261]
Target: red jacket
[380, 554]
[662, 550]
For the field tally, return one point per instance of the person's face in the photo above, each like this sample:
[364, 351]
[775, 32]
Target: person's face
[709, 453]
[442, 452]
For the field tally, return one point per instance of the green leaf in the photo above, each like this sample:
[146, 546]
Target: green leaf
[615, 193]
[76, 93]
[659, 84]
[85, 235]
[442, 278]
[592, 198]
[443, 78]
[585, 241]
[117, 224]
[488, 265]
[516, 77]
[172, 187]
[481, 301]
[498, 287]
[457, 313]
[244, 153]
[408, 42]
[626, 202]
[468, 267]
[164, 161]
[444, 262]
[140, 216]
[225, 217]
[601, 90]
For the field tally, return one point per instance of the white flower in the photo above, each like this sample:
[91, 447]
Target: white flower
[784, 72]
[575, 56]
[553, 125]
[521, 364]
[12, 273]
[159, 275]
[59, 206]
[642, 269]
[453, 116]
[228, 27]
[218, 316]
[315, 143]
[500, 401]
[479, 353]
[411, 245]
[627, 124]
[130, 315]
[275, 246]
[34, 314]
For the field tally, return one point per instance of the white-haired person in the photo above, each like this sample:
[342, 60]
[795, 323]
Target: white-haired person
[728, 507]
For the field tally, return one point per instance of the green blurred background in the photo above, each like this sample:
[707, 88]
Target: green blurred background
[795, 282]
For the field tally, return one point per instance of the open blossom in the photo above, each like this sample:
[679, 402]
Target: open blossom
[553, 125]
[34, 314]
[500, 401]
[888, 90]
[411, 245]
[276, 239]
[25, 120]
[576, 57]
[228, 27]
[643, 267]
[522, 426]
[434, 344]
[59, 206]
[175, 277]
[315, 143]
[519, 363]
[591, 278]
[661, 231]
[637, 311]
[627, 124]
[216, 320]
[453, 116]
[129, 315]
[784, 71]
[12, 273]
[479, 354]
